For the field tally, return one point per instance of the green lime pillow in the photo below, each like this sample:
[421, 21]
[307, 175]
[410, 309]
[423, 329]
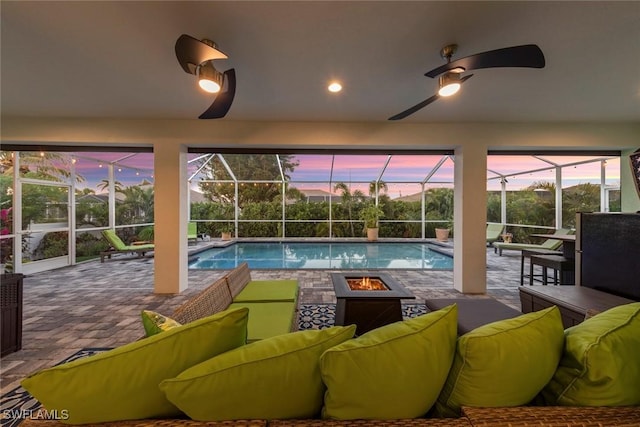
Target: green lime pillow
[275, 378]
[393, 372]
[505, 363]
[122, 384]
[601, 361]
[154, 323]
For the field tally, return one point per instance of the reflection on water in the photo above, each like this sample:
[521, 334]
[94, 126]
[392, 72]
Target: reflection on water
[345, 256]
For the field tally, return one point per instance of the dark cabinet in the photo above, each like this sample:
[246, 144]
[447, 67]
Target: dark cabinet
[11, 313]
[608, 253]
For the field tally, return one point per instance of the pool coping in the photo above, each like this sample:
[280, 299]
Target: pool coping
[443, 248]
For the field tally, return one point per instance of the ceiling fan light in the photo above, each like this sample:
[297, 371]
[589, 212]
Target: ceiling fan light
[449, 84]
[209, 86]
[209, 79]
[449, 90]
[334, 87]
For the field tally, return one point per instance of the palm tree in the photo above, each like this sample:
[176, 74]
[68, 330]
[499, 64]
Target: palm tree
[48, 166]
[440, 202]
[137, 204]
[377, 187]
[147, 205]
[349, 200]
[104, 185]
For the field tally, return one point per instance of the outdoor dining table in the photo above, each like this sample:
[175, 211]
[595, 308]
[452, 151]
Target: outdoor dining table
[568, 243]
[564, 265]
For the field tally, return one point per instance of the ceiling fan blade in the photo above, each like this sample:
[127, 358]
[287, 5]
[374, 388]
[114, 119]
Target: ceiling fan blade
[192, 52]
[528, 56]
[465, 78]
[415, 108]
[423, 104]
[223, 101]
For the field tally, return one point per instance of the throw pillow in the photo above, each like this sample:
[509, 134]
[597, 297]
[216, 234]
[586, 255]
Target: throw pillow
[154, 323]
[601, 361]
[122, 384]
[406, 362]
[275, 378]
[505, 363]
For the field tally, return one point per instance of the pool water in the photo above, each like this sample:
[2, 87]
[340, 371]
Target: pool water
[321, 255]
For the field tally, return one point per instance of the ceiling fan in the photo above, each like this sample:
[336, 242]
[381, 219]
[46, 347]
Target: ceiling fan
[196, 57]
[528, 56]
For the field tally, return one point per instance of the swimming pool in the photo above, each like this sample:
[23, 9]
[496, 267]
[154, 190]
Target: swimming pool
[323, 255]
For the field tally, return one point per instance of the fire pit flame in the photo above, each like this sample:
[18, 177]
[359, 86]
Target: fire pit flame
[366, 284]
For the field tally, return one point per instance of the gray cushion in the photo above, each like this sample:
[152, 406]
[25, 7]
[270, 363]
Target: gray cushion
[474, 312]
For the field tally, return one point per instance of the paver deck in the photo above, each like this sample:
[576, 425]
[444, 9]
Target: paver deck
[95, 304]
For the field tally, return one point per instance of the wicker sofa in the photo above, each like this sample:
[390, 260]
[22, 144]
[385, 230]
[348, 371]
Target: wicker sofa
[485, 417]
[272, 303]
[237, 287]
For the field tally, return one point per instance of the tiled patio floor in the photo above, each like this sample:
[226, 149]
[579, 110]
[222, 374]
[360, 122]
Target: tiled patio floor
[97, 304]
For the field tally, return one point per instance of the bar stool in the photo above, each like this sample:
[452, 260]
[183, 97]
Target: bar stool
[527, 253]
[565, 266]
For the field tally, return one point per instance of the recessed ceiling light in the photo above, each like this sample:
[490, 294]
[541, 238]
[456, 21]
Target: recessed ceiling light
[335, 87]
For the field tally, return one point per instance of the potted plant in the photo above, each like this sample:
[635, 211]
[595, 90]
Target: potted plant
[442, 234]
[371, 214]
[226, 231]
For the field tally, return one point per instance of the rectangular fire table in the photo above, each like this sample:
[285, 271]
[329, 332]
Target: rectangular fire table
[368, 299]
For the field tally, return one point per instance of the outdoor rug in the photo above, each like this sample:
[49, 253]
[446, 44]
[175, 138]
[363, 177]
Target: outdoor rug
[320, 316]
[17, 404]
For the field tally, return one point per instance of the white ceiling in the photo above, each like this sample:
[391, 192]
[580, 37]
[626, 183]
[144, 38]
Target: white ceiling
[116, 59]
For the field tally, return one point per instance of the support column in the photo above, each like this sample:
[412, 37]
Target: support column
[503, 200]
[470, 219]
[558, 197]
[171, 218]
[604, 194]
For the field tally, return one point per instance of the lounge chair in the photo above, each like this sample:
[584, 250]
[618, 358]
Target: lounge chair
[494, 231]
[551, 244]
[118, 246]
[192, 231]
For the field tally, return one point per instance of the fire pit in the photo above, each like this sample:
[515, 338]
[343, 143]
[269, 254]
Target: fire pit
[368, 299]
[366, 284]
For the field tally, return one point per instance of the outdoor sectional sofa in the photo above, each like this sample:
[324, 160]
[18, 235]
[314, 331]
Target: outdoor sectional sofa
[522, 371]
[538, 416]
[272, 304]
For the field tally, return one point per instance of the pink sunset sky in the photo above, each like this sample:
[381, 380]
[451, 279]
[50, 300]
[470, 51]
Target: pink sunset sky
[402, 175]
